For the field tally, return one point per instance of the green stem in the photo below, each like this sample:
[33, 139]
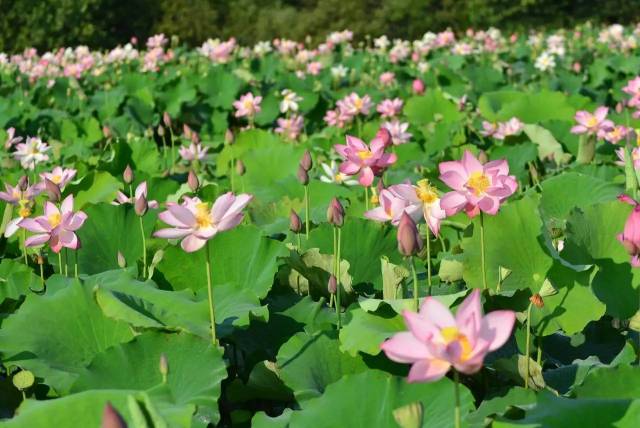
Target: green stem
[231, 171]
[306, 210]
[456, 389]
[482, 255]
[41, 272]
[60, 262]
[366, 198]
[539, 358]
[415, 284]
[212, 317]
[586, 150]
[66, 262]
[527, 347]
[173, 155]
[24, 396]
[338, 306]
[144, 249]
[428, 260]
[24, 246]
[75, 262]
[299, 243]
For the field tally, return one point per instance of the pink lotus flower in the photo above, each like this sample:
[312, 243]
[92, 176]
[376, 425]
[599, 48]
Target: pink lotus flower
[387, 78]
[437, 340]
[592, 124]
[59, 176]
[248, 105]
[193, 152]
[23, 200]
[140, 193]
[630, 237]
[635, 157]
[391, 208]
[615, 134]
[362, 159]
[314, 68]
[337, 118]
[421, 199]
[56, 226]
[476, 187]
[11, 138]
[418, 87]
[633, 89]
[501, 130]
[290, 127]
[398, 132]
[390, 108]
[354, 105]
[194, 221]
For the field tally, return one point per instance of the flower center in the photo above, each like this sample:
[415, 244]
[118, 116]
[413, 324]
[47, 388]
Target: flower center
[54, 219]
[426, 192]
[248, 104]
[452, 334]
[478, 182]
[338, 177]
[365, 154]
[56, 179]
[24, 212]
[592, 122]
[203, 219]
[358, 103]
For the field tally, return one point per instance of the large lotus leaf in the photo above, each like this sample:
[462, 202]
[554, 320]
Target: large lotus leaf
[16, 279]
[528, 107]
[363, 244]
[564, 192]
[262, 420]
[221, 88]
[512, 241]
[107, 230]
[515, 397]
[432, 106]
[368, 400]
[196, 369]
[622, 381]
[242, 257]
[548, 146]
[365, 331]
[310, 272]
[173, 98]
[246, 142]
[95, 187]
[308, 363]
[57, 335]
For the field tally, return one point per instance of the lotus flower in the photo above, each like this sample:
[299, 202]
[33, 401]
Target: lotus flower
[437, 340]
[289, 101]
[11, 138]
[592, 124]
[354, 105]
[630, 237]
[362, 159]
[248, 105]
[193, 152]
[56, 226]
[421, 199]
[23, 199]
[60, 176]
[476, 187]
[140, 193]
[290, 127]
[390, 107]
[391, 208]
[398, 131]
[31, 152]
[333, 175]
[194, 221]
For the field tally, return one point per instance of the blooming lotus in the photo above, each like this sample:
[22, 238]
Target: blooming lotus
[194, 221]
[354, 105]
[56, 226]
[290, 127]
[333, 175]
[23, 200]
[289, 101]
[31, 152]
[140, 193]
[437, 340]
[476, 187]
[630, 237]
[248, 105]
[59, 176]
[194, 151]
[362, 159]
[390, 107]
[387, 78]
[398, 131]
[391, 208]
[592, 124]
[422, 199]
[615, 134]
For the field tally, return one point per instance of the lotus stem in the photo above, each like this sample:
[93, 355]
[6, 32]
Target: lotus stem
[482, 255]
[24, 246]
[415, 284]
[337, 233]
[366, 198]
[586, 150]
[456, 389]
[428, 260]
[60, 262]
[527, 346]
[144, 249]
[75, 263]
[66, 262]
[210, 295]
[307, 204]
[173, 155]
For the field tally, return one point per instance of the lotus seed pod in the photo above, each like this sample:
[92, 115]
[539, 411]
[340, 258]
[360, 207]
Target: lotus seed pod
[111, 418]
[160, 131]
[192, 181]
[335, 213]
[128, 175]
[295, 224]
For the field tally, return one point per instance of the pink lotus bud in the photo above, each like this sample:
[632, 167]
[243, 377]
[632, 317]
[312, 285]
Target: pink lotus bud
[192, 181]
[195, 138]
[409, 241]
[335, 213]
[418, 87]
[303, 176]
[186, 131]
[23, 183]
[306, 162]
[619, 107]
[106, 132]
[134, 40]
[385, 136]
[513, 38]
[228, 137]
[630, 237]
[52, 190]
[295, 224]
[166, 119]
[240, 168]
[141, 206]
[160, 131]
[577, 67]
[122, 262]
[111, 418]
[128, 175]
[332, 285]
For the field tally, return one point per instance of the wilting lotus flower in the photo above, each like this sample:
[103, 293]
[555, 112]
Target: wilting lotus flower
[476, 187]
[592, 124]
[139, 194]
[421, 199]
[437, 340]
[60, 176]
[362, 159]
[194, 221]
[32, 152]
[248, 105]
[333, 175]
[193, 152]
[23, 200]
[630, 237]
[56, 226]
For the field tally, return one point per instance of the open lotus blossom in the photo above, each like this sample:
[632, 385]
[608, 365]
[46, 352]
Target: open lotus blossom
[633, 88]
[21, 199]
[59, 176]
[501, 130]
[56, 226]
[11, 138]
[630, 237]
[332, 174]
[360, 158]
[387, 78]
[398, 132]
[290, 127]
[476, 187]
[140, 192]
[195, 151]
[338, 118]
[391, 208]
[422, 199]
[194, 221]
[437, 340]
[595, 123]
[248, 105]
[615, 134]
[390, 107]
[354, 105]
[289, 101]
[31, 152]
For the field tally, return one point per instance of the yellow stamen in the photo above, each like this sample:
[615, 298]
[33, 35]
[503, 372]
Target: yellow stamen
[478, 182]
[54, 219]
[358, 103]
[338, 178]
[426, 192]
[365, 154]
[24, 212]
[592, 122]
[452, 334]
[203, 219]
[56, 179]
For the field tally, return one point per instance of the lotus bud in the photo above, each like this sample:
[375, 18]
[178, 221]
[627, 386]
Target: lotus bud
[122, 262]
[335, 213]
[111, 418]
[52, 190]
[128, 175]
[195, 138]
[303, 176]
[160, 131]
[409, 242]
[192, 181]
[141, 205]
[306, 162]
[295, 224]
[332, 285]
[619, 107]
[482, 157]
[240, 168]
[385, 136]
[186, 131]
[228, 137]
[23, 183]
[418, 86]
[166, 119]
[164, 367]
[106, 132]
[537, 301]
